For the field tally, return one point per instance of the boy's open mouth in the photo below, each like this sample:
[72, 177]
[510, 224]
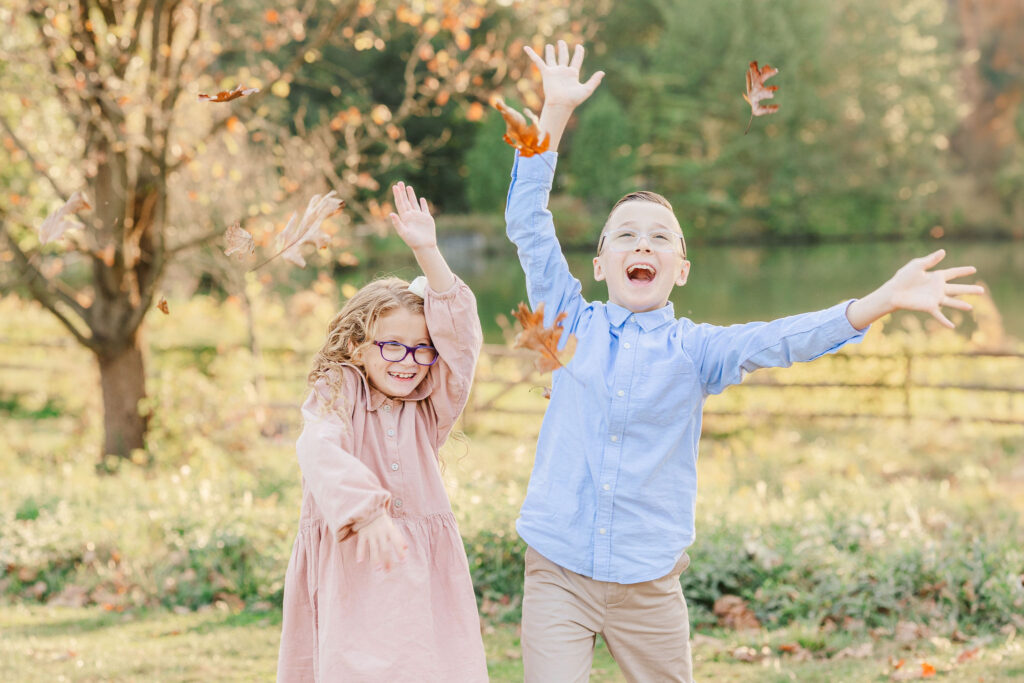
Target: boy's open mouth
[641, 273]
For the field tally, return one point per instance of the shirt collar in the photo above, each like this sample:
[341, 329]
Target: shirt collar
[377, 398]
[648, 320]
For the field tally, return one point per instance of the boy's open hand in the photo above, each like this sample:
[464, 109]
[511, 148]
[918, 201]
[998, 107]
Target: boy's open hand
[382, 542]
[915, 288]
[562, 87]
[413, 221]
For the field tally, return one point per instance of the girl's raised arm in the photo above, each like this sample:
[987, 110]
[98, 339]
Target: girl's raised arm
[415, 226]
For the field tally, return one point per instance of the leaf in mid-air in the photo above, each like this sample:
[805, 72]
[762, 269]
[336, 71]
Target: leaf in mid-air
[239, 241]
[758, 91]
[543, 340]
[308, 229]
[522, 135]
[162, 306]
[228, 95]
[57, 223]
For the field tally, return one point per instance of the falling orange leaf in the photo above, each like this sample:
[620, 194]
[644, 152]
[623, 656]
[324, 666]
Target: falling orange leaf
[927, 670]
[757, 91]
[57, 223]
[162, 306]
[228, 95]
[524, 137]
[239, 241]
[543, 340]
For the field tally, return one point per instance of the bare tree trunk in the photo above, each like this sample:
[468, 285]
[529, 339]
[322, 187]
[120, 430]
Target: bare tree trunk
[123, 380]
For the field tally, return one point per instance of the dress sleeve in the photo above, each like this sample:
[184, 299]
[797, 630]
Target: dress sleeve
[347, 493]
[454, 326]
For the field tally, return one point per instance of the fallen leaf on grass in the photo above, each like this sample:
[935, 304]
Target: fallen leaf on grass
[732, 612]
[524, 137]
[757, 91]
[228, 95]
[543, 340]
[967, 654]
[57, 223]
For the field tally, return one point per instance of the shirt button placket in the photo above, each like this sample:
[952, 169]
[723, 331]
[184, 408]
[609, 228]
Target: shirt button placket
[392, 447]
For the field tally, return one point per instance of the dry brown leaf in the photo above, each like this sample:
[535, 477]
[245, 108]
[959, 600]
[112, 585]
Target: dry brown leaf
[732, 612]
[228, 95]
[57, 223]
[524, 137]
[543, 340]
[308, 229]
[162, 306]
[758, 91]
[239, 241]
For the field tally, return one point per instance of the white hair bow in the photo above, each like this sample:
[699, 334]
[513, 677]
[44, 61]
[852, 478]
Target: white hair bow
[419, 286]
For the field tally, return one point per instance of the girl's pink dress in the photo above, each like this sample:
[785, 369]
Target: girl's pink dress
[345, 620]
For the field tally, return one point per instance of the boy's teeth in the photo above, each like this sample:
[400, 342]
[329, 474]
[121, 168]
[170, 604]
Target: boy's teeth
[640, 270]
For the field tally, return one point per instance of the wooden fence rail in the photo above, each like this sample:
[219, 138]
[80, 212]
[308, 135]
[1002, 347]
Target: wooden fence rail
[504, 371]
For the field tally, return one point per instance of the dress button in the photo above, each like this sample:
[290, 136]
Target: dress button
[391, 432]
[614, 438]
[607, 487]
[602, 531]
[394, 467]
[620, 392]
[626, 345]
[398, 502]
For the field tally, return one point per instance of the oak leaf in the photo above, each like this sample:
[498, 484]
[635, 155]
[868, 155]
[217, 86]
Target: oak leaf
[524, 137]
[57, 223]
[543, 340]
[758, 91]
[228, 95]
[309, 228]
[239, 241]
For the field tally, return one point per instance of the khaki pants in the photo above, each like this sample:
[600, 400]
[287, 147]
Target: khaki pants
[645, 625]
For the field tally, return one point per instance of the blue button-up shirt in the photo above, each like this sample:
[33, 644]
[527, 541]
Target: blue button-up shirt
[614, 485]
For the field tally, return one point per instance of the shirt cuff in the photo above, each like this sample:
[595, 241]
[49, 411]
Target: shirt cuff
[540, 167]
[448, 293]
[842, 330]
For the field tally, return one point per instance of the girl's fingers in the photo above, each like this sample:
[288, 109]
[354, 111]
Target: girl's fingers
[549, 55]
[423, 205]
[399, 197]
[577, 58]
[563, 53]
[953, 273]
[593, 82]
[411, 196]
[534, 57]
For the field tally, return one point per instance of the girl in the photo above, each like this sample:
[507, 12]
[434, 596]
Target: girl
[378, 586]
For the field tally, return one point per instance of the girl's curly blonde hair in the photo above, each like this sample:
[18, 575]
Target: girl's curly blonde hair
[352, 329]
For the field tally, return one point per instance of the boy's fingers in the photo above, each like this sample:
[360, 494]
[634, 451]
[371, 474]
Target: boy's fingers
[933, 258]
[549, 54]
[534, 57]
[953, 273]
[957, 290]
[957, 303]
[563, 53]
[937, 314]
[577, 58]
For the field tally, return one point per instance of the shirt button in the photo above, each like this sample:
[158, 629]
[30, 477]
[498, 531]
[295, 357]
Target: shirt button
[626, 345]
[394, 467]
[607, 487]
[614, 437]
[632, 318]
[620, 392]
[602, 531]
[391, 432]
[398, 502]
[387, 408]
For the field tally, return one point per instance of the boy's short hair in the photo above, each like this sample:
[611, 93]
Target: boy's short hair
[641, 196]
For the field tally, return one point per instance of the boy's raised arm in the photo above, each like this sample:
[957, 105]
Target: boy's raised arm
[563, 91]
[915, 288]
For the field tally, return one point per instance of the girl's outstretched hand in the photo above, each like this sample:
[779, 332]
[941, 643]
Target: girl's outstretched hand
[561, 75]
[381, 542]
[412, 219]
[915, 288]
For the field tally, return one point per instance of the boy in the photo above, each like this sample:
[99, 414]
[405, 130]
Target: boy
[609, 511]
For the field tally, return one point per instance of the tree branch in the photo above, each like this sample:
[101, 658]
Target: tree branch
[35, 164]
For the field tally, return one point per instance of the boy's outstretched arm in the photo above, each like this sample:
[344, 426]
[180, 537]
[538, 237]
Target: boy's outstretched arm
[563, 91]
[915, 288]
